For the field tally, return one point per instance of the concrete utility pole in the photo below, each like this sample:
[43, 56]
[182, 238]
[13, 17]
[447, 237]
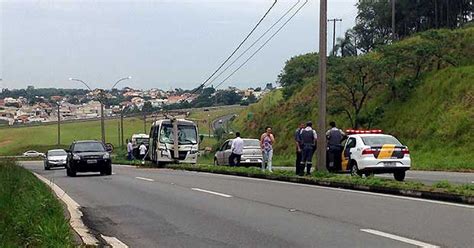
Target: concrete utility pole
[59, 123]
[394, 35]
[121, 128]
[334, 33]
[321, 150]
[144, 122]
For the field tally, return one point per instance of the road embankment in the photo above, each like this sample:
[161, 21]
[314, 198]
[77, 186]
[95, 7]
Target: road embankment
[30, 215]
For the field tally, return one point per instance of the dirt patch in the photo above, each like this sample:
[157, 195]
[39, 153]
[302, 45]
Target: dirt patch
[5, 142]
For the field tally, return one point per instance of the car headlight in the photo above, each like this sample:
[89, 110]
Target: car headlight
[76, 157]
[106, 156]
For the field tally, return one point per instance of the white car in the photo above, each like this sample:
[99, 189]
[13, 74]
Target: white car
[32, 154]
[55, 158]
[371, 152]
[252, 153]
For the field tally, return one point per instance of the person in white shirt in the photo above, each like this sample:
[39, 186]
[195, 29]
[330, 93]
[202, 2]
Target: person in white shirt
[237, 149]
[143, 150]
[129, 150]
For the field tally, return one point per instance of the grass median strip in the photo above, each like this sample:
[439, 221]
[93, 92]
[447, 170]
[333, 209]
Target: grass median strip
[30, 215]
[443, 188]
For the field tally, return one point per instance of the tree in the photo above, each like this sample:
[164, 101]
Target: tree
[352, 82]
[346, 46]
[296, 70]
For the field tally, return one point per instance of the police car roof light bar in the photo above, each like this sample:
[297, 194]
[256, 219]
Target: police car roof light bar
[357, 131]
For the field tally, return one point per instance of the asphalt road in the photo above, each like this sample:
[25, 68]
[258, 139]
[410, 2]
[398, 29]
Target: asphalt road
[426, 177]
[225, 119]
[167, 208]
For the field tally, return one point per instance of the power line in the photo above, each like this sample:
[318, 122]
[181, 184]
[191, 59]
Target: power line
[236, 49]
[260, 48]
[255, 42]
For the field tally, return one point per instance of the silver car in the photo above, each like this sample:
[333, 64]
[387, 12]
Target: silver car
[55, 158]
[252, 153]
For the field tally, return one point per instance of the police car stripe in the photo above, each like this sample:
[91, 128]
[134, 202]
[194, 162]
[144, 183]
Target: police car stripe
[386, 151]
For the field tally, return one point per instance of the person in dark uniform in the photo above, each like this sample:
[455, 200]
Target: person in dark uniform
[299, 148]
[334, 138]
[308, 139]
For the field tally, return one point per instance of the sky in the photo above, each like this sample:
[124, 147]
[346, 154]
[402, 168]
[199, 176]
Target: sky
[160, 44]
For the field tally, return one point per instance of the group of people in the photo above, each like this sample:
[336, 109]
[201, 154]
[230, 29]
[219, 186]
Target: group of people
[267, 140]
[306, 143]
[141, 151]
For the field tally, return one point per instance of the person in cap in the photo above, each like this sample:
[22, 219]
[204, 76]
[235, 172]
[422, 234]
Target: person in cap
[309, 140]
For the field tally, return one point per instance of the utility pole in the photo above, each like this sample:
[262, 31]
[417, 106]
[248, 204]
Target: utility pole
[394, 34]
[102, 119]
[59, 124]
[321, 149]
[144, 122]
[121, 127]
[334, 33]
[118, 133]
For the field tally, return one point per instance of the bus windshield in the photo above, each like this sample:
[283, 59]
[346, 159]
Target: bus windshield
[186, 134]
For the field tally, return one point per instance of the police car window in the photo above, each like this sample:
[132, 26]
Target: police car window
[351, 143]
[380, 140]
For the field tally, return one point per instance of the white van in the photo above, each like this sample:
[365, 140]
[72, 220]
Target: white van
[165, 149]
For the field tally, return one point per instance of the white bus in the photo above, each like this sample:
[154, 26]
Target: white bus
[166, 147]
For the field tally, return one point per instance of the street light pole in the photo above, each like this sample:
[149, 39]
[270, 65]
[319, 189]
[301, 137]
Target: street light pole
[59, 123]
[101, 100]
[321, 149]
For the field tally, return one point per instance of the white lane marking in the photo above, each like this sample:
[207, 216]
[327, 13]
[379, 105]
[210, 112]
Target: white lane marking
[114, 242]
[146, 179]
[399, 238]
[346, 190]
[211, 192]
[73, 209]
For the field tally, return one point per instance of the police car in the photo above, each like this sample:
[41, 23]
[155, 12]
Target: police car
[370, 151]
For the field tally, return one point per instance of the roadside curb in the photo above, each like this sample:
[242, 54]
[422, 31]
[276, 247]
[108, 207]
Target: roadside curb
[75, 213]
[429, 195]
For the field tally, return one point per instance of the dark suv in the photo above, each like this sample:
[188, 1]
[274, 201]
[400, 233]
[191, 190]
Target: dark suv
[88, 156]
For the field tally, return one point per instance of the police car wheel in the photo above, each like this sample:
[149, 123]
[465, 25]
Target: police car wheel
[355, 170]
[399, 175]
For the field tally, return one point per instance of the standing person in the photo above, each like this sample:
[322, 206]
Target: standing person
[299, 147]
[129, 150]
[334, 136]
[266, 143]
[309, 139]
[237, 149]
[142, 150]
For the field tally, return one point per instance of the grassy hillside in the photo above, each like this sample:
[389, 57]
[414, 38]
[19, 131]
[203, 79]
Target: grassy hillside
[432, 113]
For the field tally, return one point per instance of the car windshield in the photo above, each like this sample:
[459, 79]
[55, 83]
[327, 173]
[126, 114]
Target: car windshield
[141, 140]
[89, 147]
[380, 140]
[252, 143]
[57, 153]
[187, 134]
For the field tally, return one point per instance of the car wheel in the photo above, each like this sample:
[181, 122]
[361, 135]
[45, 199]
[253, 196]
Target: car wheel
[70, 172]
[399, 175]
[215, 162]
[108, 170]
[46, 166]
[355, 170]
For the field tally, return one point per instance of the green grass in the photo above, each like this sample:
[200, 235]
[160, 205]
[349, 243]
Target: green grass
[30, 215]
[15, 141]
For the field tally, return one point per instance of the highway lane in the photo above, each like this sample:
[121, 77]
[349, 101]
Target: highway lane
[216, 123]
[166, 208]
[426, 177]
